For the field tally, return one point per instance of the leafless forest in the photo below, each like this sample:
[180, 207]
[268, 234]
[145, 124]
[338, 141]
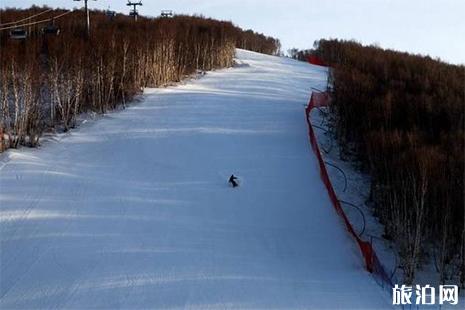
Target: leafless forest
[48, 79]
[402, 116]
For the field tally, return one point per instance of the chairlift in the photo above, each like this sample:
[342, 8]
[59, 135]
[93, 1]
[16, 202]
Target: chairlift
[166, 13]
[51, 29]
[110, 14]
[18, 34]
[133, 13]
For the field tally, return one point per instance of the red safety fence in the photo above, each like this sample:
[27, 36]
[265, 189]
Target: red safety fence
[315, 60]
[2, 141]
[372, 263]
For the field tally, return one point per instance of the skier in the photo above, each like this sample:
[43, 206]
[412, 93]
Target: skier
[232, 180]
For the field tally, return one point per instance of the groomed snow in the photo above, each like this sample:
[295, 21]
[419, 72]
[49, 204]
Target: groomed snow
[134, 210]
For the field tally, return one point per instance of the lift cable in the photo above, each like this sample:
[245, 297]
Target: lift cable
[35, 23]
[24, 19]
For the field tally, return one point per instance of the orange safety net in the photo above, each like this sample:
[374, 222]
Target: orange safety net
[372, 263]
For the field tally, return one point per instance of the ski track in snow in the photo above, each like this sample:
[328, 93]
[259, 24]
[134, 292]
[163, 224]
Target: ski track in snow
[134, 210]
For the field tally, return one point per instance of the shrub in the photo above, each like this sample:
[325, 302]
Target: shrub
[404, 115]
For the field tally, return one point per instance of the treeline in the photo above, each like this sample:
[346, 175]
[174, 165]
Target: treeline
[402, 115]
[47, 79]
[257, 42]
[301, 55]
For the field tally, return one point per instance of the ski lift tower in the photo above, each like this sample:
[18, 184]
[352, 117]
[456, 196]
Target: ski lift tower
[134, 5]
[86, 8]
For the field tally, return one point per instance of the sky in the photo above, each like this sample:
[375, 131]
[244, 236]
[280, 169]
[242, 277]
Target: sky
[427, 27]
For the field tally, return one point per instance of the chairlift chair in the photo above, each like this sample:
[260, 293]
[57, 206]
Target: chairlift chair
[111, 14]
[51, 29]
[166, 13]
[18, 34]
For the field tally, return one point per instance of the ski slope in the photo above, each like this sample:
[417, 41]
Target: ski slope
[134, 210]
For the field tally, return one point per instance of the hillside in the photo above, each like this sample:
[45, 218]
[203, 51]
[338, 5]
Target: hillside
[53, 68]
[400, 118]
[134, 210]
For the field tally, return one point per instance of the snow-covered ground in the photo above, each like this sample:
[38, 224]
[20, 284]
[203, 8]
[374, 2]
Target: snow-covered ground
[353, 189]
[134, 210]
